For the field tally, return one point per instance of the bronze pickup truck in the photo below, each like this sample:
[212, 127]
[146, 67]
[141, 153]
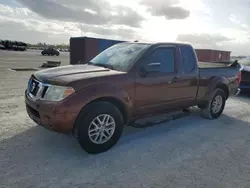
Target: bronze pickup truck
[123, 83]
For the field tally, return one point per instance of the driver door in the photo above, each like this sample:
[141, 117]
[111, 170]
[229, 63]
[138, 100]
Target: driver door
[155, 81]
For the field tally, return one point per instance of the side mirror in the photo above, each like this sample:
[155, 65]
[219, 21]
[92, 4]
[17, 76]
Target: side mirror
[143, 72]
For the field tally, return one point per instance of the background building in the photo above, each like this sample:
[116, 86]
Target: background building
[83, 49]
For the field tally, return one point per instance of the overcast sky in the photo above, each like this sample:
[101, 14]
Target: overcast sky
[218, 24]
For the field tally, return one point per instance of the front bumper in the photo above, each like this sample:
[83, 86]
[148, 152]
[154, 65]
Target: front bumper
[44, 114]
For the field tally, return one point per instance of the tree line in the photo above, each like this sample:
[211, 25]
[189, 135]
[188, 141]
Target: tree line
[44, 45]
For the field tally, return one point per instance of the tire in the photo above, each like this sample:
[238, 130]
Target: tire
[210, 112]
[84, 124]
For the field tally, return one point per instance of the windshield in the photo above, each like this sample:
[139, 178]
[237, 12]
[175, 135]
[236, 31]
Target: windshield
[120, 56]
[245, 61]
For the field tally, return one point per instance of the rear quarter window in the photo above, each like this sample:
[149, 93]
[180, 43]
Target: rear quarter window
[188, 59]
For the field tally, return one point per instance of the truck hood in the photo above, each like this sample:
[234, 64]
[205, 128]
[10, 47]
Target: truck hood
[65, 74]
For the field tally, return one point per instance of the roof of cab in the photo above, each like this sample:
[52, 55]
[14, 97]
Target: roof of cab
[162, 43]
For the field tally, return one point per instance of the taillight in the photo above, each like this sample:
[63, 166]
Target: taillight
[239, 77]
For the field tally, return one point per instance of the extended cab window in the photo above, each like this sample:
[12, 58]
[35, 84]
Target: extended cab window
[188, 59]
[161, 60]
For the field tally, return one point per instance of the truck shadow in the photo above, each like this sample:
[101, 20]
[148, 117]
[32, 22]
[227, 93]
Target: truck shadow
[244, 97]
[39, 151]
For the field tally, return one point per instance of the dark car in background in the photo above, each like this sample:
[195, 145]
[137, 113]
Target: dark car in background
[245, 73]
[50, 51]
[13, 45]
[2, 47]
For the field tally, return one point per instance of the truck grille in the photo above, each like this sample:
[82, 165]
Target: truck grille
[37, 89]
[34, 87]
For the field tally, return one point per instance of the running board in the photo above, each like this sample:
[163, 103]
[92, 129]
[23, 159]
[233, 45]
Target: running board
[153, 120]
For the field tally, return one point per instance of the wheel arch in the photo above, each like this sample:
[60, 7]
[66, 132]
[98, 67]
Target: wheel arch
[116, 102]
[221, 83]
[110, 99]
[224, 87]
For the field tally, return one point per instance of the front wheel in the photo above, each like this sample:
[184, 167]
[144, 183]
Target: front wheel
[215, 105]
[99, 127]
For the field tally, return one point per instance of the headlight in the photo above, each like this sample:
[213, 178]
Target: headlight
[57, 93]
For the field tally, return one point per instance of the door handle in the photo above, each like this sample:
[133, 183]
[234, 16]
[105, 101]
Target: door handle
[173, 80]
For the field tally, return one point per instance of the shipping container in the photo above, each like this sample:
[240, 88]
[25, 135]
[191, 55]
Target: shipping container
[83, 49]
[209, 55]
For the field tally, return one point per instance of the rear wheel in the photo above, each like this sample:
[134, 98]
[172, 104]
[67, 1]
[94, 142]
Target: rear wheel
[100, 128]
[215, 105]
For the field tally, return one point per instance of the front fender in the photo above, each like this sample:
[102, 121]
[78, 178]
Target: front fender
[81, 98]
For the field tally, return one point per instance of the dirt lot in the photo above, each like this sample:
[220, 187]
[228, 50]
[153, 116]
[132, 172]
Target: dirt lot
[188, 152]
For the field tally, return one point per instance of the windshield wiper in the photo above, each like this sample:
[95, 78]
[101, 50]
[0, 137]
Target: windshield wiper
[102, 65]
[90, 63]
[105, 66]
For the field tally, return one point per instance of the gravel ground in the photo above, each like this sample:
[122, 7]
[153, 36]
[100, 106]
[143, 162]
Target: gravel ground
[188, 152]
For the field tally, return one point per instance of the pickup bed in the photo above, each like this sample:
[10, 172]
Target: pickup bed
[123, 83]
